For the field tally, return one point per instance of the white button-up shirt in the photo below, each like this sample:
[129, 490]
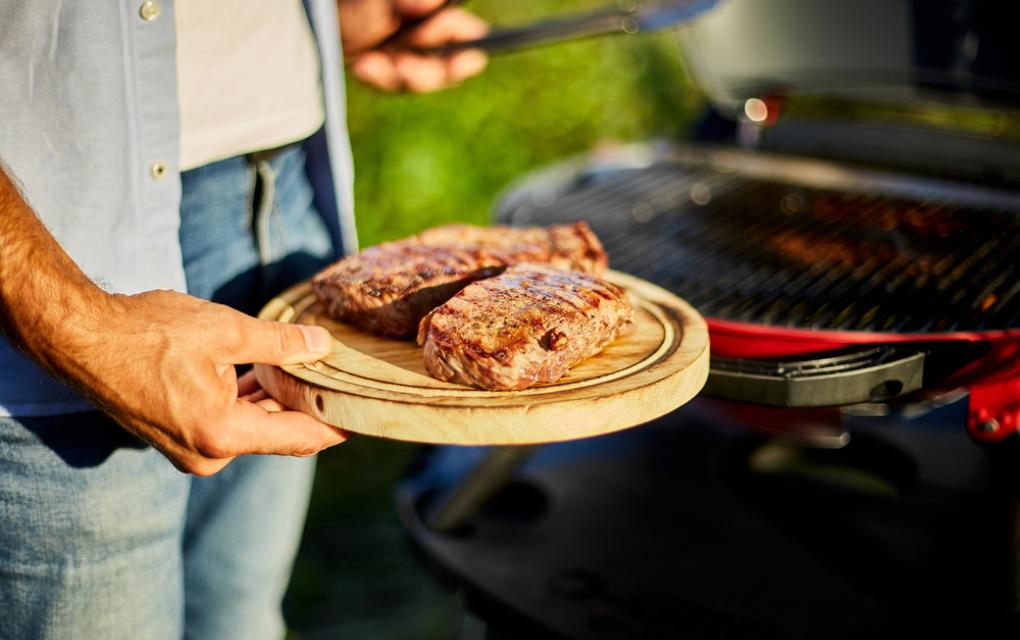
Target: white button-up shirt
[89, 128]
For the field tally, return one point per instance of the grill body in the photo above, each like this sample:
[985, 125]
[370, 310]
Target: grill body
[789, 258]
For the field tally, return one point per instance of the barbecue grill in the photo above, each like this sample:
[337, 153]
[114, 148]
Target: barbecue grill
[847, 219]
[822, 285]
[890, 270]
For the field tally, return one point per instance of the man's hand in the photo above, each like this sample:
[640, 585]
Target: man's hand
[163, 367]
[160, 363]
[367, 23]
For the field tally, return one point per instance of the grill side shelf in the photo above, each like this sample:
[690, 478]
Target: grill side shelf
[862, 375]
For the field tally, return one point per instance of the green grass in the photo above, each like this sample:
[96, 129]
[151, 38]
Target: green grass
[355, 576]
[426, 160]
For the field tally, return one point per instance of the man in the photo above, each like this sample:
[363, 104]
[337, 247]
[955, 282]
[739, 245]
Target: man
[152, 147]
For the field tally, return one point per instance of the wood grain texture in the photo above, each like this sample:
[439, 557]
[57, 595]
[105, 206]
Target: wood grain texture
[379, 386]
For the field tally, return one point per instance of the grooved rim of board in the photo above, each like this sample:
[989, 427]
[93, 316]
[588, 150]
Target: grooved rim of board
[378, 386]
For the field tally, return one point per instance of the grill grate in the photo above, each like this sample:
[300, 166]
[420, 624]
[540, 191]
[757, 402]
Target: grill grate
[770, 252]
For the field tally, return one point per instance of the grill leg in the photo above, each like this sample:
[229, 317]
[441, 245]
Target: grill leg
[491, 475]
[473, 628]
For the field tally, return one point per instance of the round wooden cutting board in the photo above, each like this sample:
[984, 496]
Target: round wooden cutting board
[379, 386]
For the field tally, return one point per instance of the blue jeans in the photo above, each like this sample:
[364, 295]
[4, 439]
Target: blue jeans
[100, 537]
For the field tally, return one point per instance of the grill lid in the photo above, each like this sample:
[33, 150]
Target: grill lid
[898, 50]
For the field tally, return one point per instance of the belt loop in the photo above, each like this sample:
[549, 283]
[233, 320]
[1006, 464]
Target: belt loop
[262, 214]
[267, 155]
[262, 210]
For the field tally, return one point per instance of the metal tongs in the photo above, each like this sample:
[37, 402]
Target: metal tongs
[627, 17]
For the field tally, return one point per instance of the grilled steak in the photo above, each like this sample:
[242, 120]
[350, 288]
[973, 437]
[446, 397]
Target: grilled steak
[388, 288]
[572, 247]
[527, 326]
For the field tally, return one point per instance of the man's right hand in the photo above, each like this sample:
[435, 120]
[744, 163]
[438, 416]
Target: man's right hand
[160, 363]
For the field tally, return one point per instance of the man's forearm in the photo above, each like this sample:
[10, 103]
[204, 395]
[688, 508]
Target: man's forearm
[160, 363]
[45, 299]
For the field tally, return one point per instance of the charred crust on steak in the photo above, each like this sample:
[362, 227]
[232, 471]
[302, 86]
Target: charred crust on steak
[499, 335]
[553, 340]
[388, 289]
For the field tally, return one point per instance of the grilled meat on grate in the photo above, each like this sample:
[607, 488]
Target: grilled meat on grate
[387, 289]
[527, 326]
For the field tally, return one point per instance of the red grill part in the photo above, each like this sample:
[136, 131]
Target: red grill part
[993, 379]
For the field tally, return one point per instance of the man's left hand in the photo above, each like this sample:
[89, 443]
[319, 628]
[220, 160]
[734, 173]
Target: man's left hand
[365, 24]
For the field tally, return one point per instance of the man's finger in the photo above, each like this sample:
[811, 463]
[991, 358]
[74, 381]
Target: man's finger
[188, 461]
[452, 25]
[413, 8]
[421, 74]
[377, 69]
[268, 403]
[248, 384]
[465, 64]
[374, 22]
[265, 342]
[291, 433]
[199, 466]
[257, 397]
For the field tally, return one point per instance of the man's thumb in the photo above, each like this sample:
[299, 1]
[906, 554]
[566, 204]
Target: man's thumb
[269, 342]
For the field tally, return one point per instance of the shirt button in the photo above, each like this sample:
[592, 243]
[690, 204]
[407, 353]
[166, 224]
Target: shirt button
[149, 10]
[158, 170]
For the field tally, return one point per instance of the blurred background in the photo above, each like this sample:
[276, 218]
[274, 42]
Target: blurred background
[427, 160]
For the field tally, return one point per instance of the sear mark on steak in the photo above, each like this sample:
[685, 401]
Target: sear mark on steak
[388, 288]
[528, 326]
[571, 247]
